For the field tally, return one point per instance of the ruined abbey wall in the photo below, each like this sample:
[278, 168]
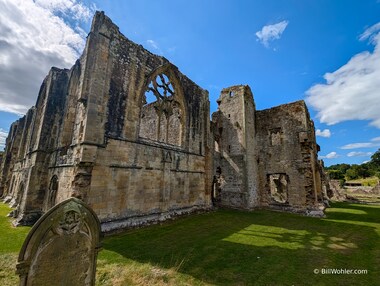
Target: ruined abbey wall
[235, 182]
[287, 158]
[264, 158]
[151, 175]
[86, 137]
[25, 172]
[125, 131]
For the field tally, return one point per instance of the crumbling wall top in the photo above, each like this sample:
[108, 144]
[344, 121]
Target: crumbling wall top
[229, 93]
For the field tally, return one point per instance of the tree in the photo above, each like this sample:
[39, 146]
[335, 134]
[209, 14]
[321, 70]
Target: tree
[363, 171]
[336, 174]
[358, 171]
[352, 173]
[375, 159]
[339, 167]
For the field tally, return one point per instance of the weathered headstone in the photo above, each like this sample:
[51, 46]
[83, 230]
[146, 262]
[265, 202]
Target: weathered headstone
[61, 248]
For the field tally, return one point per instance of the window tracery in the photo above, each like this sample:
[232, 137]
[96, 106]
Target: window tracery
[161, 112]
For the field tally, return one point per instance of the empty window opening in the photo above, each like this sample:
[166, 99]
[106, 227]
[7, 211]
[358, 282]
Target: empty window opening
[278, 184]
[161, 114]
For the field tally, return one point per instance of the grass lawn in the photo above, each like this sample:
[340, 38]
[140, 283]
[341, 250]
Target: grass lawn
[11, 240]
[229, 247]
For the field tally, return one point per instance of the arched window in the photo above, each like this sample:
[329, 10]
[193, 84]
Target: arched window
[53, 188]
[162, 114]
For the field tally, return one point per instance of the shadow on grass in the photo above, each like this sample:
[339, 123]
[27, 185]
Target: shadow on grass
[260, 248]
[355, 212]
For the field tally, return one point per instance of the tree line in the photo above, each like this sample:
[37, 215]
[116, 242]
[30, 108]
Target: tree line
[355, 171]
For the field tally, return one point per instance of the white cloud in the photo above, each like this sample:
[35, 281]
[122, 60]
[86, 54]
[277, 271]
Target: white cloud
[357, 145]
[361, 145]
[3, 137]
[73, 8]
[331, 155]
[375, 139]
[370, 33]
[271, 32]
[325, 133]
[153, 44]
[359, 154]
[33, 39]
[353, 91]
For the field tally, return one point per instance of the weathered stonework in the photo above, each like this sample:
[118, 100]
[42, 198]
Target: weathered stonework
[62, 247]
[235, 157]
[265, 158]
[290, 150]
[128, 133]
[92, 136]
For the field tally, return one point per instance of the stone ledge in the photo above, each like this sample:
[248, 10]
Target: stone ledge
[149, 219]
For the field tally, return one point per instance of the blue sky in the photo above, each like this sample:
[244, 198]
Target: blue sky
[327, 52]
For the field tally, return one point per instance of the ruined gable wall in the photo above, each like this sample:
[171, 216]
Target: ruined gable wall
[118, 173]
[84, 136]
[284, 137]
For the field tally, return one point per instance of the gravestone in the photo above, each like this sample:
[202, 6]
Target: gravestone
[62, 247]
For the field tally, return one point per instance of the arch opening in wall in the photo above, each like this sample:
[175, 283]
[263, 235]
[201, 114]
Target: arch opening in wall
[53, 188]
[162, 116]
[278, 185]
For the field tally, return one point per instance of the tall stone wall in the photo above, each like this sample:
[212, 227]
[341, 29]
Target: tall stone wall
[125, 131]
[287, 158]
[34, 137]
[264, 158]
[85, 137]
[234, 158]
[9, 158]
[134, 173]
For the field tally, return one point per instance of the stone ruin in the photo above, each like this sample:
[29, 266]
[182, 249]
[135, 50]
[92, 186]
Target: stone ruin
[126, 132]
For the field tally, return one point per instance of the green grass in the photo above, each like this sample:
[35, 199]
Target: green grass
[230, 247]
[11, 240]
[369, 182]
